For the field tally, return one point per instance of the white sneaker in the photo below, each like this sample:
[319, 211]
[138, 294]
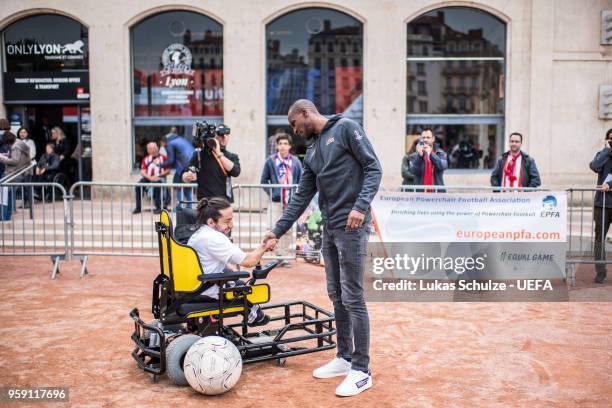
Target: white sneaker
[338, 366]
[354, 383]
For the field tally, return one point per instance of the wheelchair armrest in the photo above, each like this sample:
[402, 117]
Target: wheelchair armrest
[222, 277]
[261, 272]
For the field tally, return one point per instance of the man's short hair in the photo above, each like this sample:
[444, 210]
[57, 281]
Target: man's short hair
[516, 134]
[283, 136]
[52, 146]
[211, 208]
[608, 133]
[302, 105]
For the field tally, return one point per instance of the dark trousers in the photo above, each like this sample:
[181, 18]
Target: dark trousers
[158, 191]
[46, 177]
[602, 217]
[344, 254]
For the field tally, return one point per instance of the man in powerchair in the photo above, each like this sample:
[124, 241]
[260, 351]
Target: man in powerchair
[216, 251]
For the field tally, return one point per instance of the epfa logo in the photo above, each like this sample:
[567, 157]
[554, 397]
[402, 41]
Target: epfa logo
[549, 203]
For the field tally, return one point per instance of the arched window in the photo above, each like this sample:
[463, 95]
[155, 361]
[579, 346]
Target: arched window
[177, 70]
[297, 69]
[45, 70]
[462, 43]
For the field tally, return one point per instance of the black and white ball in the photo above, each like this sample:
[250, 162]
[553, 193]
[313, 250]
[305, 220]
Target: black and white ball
[212, 365]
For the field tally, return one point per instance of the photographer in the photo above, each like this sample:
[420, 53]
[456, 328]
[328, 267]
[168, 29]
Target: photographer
[212, 166]
[429, 162]
[602, 207]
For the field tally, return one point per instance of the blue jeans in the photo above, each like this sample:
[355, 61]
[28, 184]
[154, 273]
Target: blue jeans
[344, 254]
[179, 191]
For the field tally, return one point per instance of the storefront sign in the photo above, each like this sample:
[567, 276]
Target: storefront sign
[46, 86]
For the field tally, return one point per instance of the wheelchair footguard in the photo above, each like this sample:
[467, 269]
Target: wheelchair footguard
[305, 328]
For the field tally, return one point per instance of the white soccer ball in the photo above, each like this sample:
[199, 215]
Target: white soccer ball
[212, 365]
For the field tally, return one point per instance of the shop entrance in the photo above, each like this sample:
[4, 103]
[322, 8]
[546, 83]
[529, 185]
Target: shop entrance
[73, 120]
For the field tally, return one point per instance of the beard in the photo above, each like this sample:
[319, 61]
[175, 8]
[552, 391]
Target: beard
[221, 230]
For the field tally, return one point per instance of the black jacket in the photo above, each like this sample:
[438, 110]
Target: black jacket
[342, 166]
[439, 161]
[530, 177]
[212, 182]
[602, 165]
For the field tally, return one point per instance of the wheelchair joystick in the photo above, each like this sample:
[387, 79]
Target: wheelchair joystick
[260, 272]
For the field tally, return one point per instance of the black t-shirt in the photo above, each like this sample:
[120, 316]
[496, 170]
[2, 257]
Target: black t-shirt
[212, 182]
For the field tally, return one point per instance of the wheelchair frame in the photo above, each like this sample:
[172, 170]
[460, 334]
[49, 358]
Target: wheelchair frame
[314, 324]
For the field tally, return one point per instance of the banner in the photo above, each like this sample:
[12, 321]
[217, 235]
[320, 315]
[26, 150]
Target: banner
[510, 243]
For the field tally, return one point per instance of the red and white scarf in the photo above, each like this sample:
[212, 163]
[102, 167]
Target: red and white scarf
[428, 174]
[513, 170]
[284, 171]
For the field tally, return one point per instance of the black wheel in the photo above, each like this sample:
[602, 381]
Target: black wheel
[175, 356]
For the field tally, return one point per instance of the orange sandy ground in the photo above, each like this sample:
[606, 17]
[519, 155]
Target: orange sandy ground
[75, 333]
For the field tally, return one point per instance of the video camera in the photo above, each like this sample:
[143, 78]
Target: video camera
[203, 133]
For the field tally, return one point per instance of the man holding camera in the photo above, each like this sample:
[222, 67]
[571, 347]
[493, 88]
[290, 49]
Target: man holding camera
[428, 163]
[212, 166]
[602, 207]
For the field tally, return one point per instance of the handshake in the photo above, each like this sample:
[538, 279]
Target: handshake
[269, 241]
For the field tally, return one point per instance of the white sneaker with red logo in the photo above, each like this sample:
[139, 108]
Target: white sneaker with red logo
[355, 382]
[338, 366]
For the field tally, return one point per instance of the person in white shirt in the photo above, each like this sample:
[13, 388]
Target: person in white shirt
[24, 135]
[216, 251]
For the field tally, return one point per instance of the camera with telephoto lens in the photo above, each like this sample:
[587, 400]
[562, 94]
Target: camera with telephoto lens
[203, 133]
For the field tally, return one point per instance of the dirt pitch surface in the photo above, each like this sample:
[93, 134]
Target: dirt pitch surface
[75, 333]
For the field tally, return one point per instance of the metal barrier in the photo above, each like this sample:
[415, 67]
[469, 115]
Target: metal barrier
[15, 175]
[465, 189]
[98, 219]
[104, 219]
[256, 212]
[584, 247]
[43, 230]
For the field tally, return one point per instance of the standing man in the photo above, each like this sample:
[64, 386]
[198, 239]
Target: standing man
[515, 168]
[281, 168]
[428, 163]
[342, 166]
[215, 166]
[180, 151]
[602, 207]
[152, 172]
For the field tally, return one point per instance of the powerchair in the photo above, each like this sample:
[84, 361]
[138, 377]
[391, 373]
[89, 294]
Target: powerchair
[182, 318]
